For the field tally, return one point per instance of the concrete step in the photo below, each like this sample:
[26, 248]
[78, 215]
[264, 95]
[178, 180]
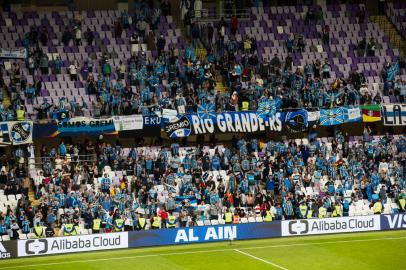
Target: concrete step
[201, 53]
[6, 99]
[220, 87]
[396, 41]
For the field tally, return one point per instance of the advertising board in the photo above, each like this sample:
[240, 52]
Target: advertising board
[330, 225]
[69, 244]
[204, 234]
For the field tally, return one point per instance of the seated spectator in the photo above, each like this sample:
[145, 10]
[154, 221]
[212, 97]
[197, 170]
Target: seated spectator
[371, 47]
[44, 64]
[89, 36]
[326, 34]
[106, 69]
[300, 43]
[78, 36]
[289, 43]
[58, 64]
[73, 71]
[326, 69]
[66, 37]
[361, 48]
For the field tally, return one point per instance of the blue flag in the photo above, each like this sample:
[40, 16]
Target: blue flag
[206, 111]
[296, 121]
[392, 71]
[332, 117]
[267, 108]
[189, 201]
[353, 115]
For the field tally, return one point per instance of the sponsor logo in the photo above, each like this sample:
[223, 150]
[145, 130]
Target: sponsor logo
[4, 254]
[394, 221]
[298, 227]
[179, 128]
[330, 225]
[37, 246]
[296, 121]
[57, 245]
[212, 233]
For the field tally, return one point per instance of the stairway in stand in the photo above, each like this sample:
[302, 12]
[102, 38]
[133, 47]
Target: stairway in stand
[6, 99]
[387, 26]
[220, 87]
[31, 197]
[201, 53]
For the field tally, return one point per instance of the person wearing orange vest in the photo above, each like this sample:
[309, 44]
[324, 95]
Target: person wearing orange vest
[236, 218]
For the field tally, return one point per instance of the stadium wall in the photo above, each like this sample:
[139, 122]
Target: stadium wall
[202, 234]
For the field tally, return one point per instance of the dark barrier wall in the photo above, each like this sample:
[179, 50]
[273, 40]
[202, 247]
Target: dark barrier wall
[393, 222]
[8, 249]
[204, 234]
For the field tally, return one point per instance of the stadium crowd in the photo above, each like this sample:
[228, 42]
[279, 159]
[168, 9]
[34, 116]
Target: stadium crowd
[181, 79]
[158, 187]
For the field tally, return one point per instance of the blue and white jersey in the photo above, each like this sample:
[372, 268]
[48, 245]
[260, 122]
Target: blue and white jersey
[105, 183]
[287, 208]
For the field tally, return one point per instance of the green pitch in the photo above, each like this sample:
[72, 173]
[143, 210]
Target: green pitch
[380, 250]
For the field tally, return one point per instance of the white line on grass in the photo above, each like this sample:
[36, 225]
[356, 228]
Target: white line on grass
[326, 242]
[199, 251]
[259, 259]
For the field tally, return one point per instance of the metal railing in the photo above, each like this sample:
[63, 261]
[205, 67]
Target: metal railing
[39, 162]
[241, 14]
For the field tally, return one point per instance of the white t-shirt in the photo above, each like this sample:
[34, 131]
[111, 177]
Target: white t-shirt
[58, 163]
[78, 34]
[383, 166]
[72, 69]
[38, 180]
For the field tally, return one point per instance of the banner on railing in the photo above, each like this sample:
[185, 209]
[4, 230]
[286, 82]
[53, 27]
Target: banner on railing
[353, 115]
[371, 113]
[296, 121]
[16, 132]
[226, 122]
[332, 117]
[152, 121]
[394, 114]
[13, 54]
[85, 125]
[128, 122]
[200, 123]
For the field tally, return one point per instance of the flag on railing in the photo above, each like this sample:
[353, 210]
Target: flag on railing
[268, 107]
[371, 113]
[296, 121]
[188, 201]
[206, 111]
[4, 135]
[332, 117]
[352, 115]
